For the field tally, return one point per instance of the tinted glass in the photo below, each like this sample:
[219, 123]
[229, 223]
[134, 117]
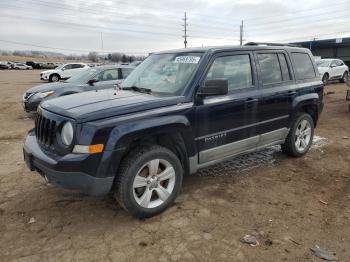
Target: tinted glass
[108, 75]
[236, 69]
[77, 66]
[126, 72]
[284, 67]
[339, 63]
[68, 67]
[270, 68]
[304, 67]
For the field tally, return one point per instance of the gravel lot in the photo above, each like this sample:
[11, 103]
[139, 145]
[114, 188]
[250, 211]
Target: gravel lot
[289, 204]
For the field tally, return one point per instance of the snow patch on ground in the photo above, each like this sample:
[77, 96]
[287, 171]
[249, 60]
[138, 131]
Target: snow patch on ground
[253, 160]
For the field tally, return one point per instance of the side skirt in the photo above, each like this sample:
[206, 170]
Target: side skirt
[222, 153]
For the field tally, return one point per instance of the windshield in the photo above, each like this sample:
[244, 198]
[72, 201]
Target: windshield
[164, 74]
[323, 63]
[83, 77]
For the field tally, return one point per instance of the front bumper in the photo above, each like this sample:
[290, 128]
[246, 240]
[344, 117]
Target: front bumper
[44, 77]
[55, 169]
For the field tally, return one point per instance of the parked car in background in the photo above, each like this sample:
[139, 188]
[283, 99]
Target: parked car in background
[4, 65]
[33, 64]
[177, 112]
[48, 65]
[63, 72]
[22, 66]
[332, 69]
[89, 79]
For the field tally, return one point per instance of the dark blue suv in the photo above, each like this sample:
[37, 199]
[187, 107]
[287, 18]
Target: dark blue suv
[177, 112]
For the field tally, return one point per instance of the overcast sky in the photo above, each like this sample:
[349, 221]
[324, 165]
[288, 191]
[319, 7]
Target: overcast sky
[141, 26]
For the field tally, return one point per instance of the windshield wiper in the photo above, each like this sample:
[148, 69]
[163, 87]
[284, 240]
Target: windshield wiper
[138, 89]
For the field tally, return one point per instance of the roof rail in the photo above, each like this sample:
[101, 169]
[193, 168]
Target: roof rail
[268, 44]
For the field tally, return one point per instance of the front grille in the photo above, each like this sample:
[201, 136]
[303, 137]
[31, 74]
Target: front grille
[45, 130]
[27, 95]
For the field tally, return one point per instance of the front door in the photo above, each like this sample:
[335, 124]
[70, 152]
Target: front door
[227, 125]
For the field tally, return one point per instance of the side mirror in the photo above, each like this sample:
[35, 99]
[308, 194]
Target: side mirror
[91, 82]
[213, 88]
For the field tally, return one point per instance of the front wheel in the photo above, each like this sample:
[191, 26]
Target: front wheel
[299, 139]
[54, 78]
[325, 79]
[148, 181]
[345, 77]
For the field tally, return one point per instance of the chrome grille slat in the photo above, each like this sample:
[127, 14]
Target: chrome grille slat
[45, 130]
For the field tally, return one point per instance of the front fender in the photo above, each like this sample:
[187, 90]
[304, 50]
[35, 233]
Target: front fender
[123, 134]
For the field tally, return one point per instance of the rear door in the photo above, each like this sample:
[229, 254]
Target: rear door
[227, 124]
[277, 90]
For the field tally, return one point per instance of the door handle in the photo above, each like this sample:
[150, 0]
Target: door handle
[290, 93]
[251, 100]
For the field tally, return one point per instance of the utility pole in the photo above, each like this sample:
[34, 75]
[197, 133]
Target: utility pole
[185, 30]
[241, 33]
[101, 43]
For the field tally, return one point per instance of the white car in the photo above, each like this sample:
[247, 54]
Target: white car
[333, 69]
[64, 71]
[22, 66]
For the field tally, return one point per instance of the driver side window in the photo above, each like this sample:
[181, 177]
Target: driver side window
[108, 75]
[67, 67]
[236, 69]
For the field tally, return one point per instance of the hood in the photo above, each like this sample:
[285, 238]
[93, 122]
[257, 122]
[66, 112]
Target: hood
[93, 105]
[49, 71]
[49, 87]
[322, 69]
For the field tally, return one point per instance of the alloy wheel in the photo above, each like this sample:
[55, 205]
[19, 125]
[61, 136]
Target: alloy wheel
[303, 135]
[154, 183]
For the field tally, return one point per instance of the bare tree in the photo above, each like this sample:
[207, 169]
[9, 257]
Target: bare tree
[93, 57]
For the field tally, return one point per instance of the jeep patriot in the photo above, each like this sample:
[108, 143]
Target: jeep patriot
[177, 112]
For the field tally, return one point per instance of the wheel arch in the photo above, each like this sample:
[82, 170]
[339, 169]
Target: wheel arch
[307, 103]
[173, 133]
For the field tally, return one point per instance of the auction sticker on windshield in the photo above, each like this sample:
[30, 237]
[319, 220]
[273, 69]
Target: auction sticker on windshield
[187, 59]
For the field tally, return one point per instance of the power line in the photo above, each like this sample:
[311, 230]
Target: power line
[62, 49]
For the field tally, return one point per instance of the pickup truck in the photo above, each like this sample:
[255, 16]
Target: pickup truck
[177, 112]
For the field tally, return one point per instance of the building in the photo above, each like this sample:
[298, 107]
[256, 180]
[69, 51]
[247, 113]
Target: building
[329, 48]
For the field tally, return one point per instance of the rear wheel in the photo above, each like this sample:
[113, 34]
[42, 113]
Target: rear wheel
[300, 136]
[325, 79]
[345, 77]
[148, 181]
[54, 78]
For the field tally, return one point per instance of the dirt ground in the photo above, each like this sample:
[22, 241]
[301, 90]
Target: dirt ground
[289, 204]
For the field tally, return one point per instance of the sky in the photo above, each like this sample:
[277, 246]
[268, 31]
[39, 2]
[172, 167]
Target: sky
[141, 26]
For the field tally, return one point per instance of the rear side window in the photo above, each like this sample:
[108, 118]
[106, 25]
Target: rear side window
[284, 67]
[339, 63]
[304, 67]
[76, 66]
[270, 68]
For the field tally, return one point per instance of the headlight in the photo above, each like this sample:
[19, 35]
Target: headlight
[42, 95]
[67, 134]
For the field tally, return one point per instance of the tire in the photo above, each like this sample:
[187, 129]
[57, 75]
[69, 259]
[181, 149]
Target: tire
[54, 78]
[325, 79]
[345, 77]
[290, 145]
[131, 193]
